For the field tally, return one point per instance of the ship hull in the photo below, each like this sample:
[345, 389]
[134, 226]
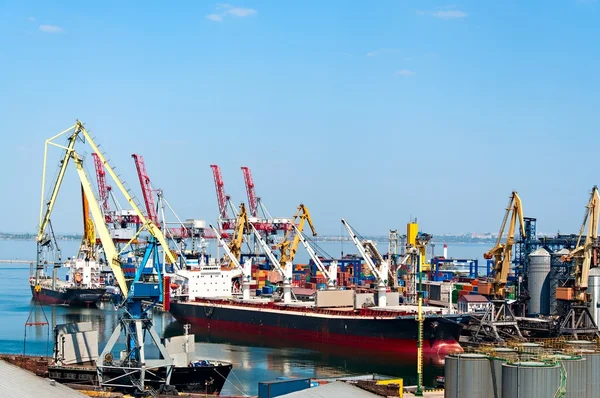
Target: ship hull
[71, 296]
[192, 379]
[390, 337]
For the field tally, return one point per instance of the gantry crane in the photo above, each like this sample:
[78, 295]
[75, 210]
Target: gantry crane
[135, 323]
[499, 320]
[285, 270]
[578, 319]
[381, 272]
[288, 248]
[329, 272]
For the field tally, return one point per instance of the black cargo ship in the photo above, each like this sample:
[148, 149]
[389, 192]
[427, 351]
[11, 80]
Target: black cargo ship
[73, 296]
[382, 332]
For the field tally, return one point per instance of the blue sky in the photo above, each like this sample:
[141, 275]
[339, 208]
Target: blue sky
[374, 111]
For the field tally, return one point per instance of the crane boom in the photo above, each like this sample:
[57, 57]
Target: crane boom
[112, 255]
[45, 215]
[220, 188]
[103, 187]
[502, 252]
[235, 260]
[583, 252]
[250, 191]
[288, 249]
[380, 273]
[284, 271]
[146, 223]
[331, 273]
[88, 242]
[146, 187]
[241, 228]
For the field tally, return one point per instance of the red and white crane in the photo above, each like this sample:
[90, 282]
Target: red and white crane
[146, 188]
[265, 222]
[223, 200]
[103, 188]
[122, 223]
[176, 233]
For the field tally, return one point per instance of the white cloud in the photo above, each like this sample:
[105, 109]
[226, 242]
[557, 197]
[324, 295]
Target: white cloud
[404, 72]
[50, 29]
[227, 10]
[214, 17]
[446, 12]
[31, 19]
[449, 14]
[382, 51]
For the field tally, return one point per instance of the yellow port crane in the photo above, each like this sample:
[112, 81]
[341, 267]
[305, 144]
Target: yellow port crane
[78, 131]
[135, 324]
[579, 320]
[502, 252]
[498, 322]
[88, 242]
[288, 248]
[241, 228]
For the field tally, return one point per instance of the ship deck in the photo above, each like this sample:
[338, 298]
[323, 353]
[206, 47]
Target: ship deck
[309, 309]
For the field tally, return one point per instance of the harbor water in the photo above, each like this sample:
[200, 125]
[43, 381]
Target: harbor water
[252, 363]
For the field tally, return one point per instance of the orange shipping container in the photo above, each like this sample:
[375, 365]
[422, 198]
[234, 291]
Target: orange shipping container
[564, 293]
[467, 288]
[485, 288]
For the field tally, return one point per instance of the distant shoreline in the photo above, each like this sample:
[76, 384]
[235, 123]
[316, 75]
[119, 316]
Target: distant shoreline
[448, 239]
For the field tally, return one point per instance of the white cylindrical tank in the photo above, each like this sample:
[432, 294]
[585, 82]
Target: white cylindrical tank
[575, 371]
[592, 370]
[530, 380]
[594, 290]
[538, 282]
[468, 375]
[529, 351]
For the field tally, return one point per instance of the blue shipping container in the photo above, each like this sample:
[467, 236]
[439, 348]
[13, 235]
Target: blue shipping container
[271, 389]
[267, 289]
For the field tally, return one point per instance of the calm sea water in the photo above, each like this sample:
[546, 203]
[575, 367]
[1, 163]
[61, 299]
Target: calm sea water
[251, 364]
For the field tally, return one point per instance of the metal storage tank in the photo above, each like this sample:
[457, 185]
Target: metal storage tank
[538, 283]
[530, 379]
[468, 375]
[576, 377]
[555, 264]
[592, 370]
[506, 353]
[581, 345]
[496, 372]
[529, 351]
[594, 290]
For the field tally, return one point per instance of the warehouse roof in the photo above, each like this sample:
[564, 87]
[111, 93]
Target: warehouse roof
[473, 298]
[17, 382]
[337, 389]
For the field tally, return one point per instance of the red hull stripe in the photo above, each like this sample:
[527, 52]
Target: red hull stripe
[402, 350]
